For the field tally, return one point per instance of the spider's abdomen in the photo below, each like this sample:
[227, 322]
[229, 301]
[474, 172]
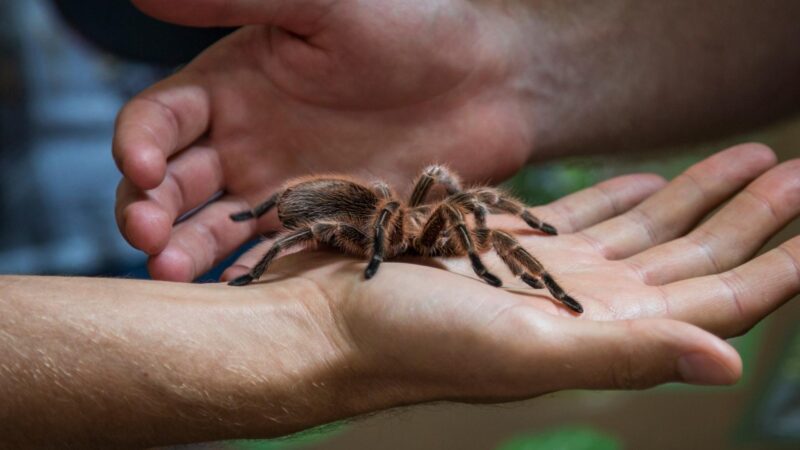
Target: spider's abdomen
[326, 198]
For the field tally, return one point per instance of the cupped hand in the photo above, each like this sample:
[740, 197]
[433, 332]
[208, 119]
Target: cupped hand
[378, 88]
[660, 288]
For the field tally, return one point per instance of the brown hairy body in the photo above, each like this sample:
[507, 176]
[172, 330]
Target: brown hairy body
[370, 221]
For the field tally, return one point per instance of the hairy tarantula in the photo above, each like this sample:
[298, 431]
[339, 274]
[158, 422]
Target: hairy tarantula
[370, 221]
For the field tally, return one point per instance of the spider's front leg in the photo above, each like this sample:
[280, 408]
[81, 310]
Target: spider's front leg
[341, 235]
[446, 214]
[287, 241]
[258, 211]
[468, 202]
[380, 226]
[529, 269]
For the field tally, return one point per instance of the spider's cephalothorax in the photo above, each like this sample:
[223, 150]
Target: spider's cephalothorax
[369, 220]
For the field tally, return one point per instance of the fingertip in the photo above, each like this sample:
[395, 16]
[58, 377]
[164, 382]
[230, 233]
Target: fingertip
[147, 227]
[730, 358]
[742, 161]
[245, 262]
[704, 369]
[757, 151]
[233, 272]
[782, 184]
[171, 265]
[704, 359]
[146, 167]
[243, 280]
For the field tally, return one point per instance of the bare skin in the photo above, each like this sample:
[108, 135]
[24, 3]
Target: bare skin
[383, 88]
[123, 363]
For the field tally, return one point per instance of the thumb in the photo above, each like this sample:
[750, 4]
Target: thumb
[299, 16]
[637, 354]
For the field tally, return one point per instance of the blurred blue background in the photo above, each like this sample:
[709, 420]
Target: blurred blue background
[59, 101]
[63, 81]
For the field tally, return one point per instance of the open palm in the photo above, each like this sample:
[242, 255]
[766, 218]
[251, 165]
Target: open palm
[629, 250]
[313, 86]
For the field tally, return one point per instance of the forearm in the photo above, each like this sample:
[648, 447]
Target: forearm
[131, 363]
[629, 75]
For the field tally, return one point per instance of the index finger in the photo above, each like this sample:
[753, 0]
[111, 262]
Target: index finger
[155, 125]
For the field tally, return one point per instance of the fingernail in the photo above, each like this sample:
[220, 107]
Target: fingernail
[698, 368]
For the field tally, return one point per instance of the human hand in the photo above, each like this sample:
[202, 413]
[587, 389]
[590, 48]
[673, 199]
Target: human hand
[656, 289]
[315, 86]
[314, 342]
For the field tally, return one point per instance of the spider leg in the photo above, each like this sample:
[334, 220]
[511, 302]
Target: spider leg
[256, 212]
[287, 241]
[502, 202]
[505, 246]
[341, 235]
[432, 230]
[379, 242]
[338, 234]
[382, 189]
[479, 212]
[434, 174]
[528, 268]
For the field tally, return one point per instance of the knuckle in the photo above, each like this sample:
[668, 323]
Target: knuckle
[627, 375]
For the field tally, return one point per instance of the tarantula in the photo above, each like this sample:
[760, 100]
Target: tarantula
[369, 220]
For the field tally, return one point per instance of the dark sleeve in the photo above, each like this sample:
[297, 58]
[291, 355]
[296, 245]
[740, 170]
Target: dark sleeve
[118, 27]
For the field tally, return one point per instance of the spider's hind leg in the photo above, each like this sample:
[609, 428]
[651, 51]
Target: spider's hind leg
[256, 212]
[505, 246]
[529, 269]
[380, 226]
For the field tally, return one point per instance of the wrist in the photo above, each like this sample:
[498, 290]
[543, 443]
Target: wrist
[538, 78]
[512, 62]
[295, 354]
[564, 58]
[270, 364]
